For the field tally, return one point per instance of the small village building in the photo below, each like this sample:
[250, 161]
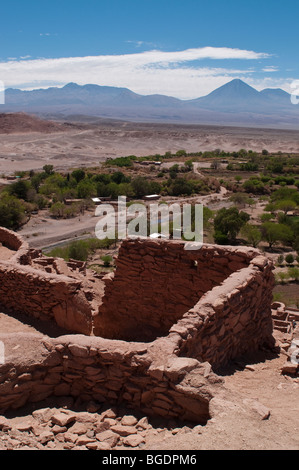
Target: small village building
[152, 197]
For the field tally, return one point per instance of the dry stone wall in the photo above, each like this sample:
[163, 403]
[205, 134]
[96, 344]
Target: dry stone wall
[105, 371]
[223, 294]
[37, 293]
[14, 242]
[233, 318]
[156, 283]
[152, 338]
[45, 296]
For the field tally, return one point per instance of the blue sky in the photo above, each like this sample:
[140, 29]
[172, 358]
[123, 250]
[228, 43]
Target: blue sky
[182, 48]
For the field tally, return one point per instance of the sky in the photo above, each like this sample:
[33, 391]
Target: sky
[180, 48]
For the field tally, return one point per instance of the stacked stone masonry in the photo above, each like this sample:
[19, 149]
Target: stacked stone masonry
[151, 334]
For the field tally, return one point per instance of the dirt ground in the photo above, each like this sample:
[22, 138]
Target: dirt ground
[5, 253]
[288, 294]
[93, 143]
[237, 423]
[43, 231]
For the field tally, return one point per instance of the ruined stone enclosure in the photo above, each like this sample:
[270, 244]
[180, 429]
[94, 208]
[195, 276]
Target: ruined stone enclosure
[150, 335]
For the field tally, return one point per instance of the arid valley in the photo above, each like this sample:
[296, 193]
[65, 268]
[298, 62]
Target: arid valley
[24, 148]
[256, 407]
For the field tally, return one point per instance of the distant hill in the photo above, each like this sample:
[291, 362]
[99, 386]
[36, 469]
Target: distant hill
[235, 103]
[235, 94]
[18, 123]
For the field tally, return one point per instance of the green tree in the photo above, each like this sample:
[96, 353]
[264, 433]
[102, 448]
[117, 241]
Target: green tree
[140, 186]
[189, 165]
[86, 189]
[12, 211]
[48, 169]
[181, 187]
[285, 194]
[273, 233]
[286, 205]
[220, 238]
[119, 177]
[20, 189]
[181, 153]
[240, 199]
[230, 221]
[57, 210]
[254, 186]
[252, 234]
[78, 175]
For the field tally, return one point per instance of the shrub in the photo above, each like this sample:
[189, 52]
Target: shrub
[294, 273]
[220, 238]
[78, 250]
[280, 260]
[107, 259]
[282, 277]
[289, 259]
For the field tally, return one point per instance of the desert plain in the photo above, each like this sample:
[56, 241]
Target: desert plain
[29, 144]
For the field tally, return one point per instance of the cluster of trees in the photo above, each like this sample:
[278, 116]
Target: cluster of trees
[81, 249]
[228, 223]
[131, 159]
[255, 159]
[276, 227]
[50, 189]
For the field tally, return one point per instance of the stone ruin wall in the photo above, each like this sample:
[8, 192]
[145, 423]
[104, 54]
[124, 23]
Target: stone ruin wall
[61, 295]
[106, 371]
[15, 243]
[225, 292]
[226, 312]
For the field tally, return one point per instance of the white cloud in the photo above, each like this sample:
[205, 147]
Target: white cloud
[270, 82]
[177, 73]
[270, 69]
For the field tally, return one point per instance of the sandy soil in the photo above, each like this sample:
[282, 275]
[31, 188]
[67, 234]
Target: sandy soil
[288, 294]
[42, 231]
[5, 253]
[90, 146]
[236, 425]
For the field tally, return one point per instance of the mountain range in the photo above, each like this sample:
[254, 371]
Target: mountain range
[235, 103]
